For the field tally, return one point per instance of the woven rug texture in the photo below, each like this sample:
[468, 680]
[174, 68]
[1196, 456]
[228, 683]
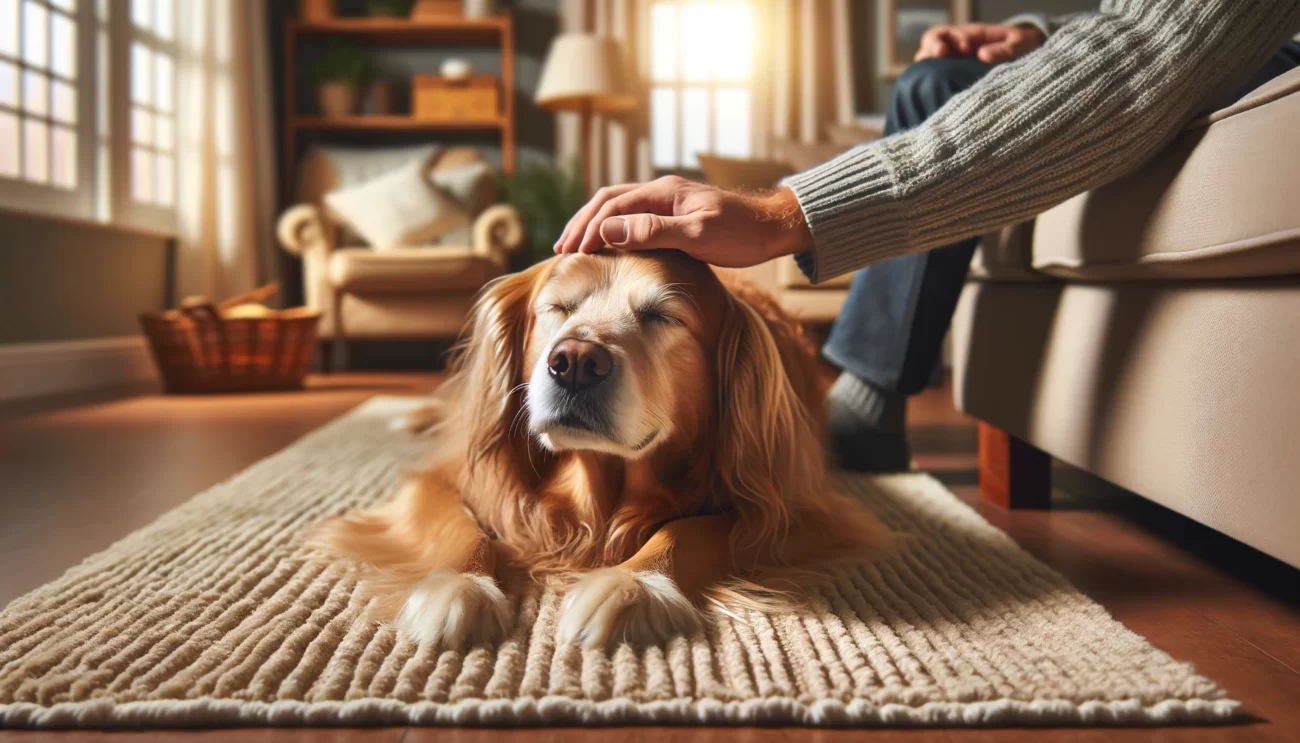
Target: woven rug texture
[212, 616]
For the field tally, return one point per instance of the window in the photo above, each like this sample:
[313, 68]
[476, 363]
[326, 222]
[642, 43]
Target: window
[153, 102]
[40, 115]
[702, 59]
[69, 147]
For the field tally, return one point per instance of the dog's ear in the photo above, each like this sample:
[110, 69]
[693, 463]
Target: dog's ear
[771, 457]
[488, 366]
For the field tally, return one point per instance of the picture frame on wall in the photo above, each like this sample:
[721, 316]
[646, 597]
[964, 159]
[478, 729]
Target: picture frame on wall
[902, 23]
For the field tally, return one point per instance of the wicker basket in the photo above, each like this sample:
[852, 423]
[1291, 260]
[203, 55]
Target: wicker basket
[234, 346]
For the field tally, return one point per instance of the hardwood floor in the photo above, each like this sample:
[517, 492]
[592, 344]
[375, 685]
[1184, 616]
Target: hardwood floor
[80, 473]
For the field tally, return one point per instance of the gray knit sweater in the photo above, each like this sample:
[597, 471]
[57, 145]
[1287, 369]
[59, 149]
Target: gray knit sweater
[1105, 93]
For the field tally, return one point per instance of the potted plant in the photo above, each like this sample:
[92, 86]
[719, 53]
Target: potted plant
[547, 195]
[389, 8]
[341, 72]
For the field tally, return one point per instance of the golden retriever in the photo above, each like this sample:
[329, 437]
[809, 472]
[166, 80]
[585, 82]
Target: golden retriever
[628, 427]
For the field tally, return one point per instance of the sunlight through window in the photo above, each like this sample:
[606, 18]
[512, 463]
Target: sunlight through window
[701, 65]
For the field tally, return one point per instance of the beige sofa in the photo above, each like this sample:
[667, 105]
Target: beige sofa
[1149, 331]
[404, 293]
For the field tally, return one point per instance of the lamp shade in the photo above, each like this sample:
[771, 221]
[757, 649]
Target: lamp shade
[585, 71]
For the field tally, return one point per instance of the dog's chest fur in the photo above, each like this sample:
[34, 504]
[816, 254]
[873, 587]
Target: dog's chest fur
[591, 509]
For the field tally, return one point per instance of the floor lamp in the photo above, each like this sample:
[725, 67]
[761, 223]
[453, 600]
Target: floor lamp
[586, 73]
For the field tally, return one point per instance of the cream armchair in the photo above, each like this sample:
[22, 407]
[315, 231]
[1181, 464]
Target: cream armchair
[402, 293]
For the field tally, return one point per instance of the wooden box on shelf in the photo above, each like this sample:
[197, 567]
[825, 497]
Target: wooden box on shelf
[437, 98]
[436, 9]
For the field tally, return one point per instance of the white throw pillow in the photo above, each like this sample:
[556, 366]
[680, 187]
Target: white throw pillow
[397, 209]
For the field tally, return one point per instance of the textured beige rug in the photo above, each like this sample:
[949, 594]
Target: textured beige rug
[209, 616]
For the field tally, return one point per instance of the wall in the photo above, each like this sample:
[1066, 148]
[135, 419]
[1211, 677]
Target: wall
[63, 280]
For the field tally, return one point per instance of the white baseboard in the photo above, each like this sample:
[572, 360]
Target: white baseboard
[37, 369]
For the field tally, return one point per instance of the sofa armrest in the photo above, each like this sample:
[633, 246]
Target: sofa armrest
[302, 228]
[498, 232]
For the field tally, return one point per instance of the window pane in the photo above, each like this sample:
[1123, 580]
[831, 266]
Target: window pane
[141, 174]
[35, 33]
[141, 126]
[36, 151]
[163, 82]
[731, 137]
[141, 14]
[64, 158]
[8, 84]
[36, 93]
[68, 5]
[63, 102]
[8, 145]
[663, 127]
[733, 52]
[162, 19]
[695, 125]
[9, 27]
[699, 37]
[162, 133]
[63, 45]
[663, 30]
[141, 72]
[165, 193]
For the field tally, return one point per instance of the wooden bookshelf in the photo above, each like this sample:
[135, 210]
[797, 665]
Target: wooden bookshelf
[496, 31]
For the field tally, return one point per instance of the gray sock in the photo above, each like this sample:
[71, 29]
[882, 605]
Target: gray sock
[873, 407]
[868, 426]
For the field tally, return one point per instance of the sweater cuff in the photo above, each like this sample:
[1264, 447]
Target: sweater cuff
[851, 211]
[1039, 21]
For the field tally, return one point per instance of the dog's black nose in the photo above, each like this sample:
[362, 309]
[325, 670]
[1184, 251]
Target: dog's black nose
[579, 365]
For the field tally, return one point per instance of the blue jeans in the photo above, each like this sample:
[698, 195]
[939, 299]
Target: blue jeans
[891, 328]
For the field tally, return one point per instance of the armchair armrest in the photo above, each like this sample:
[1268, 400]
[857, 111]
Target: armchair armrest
[498, 232]
[302, 228]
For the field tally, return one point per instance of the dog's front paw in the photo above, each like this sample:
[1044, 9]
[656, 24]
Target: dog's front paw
[453, 609]
[642, 608]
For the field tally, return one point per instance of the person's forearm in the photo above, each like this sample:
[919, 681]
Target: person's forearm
[1106, 93]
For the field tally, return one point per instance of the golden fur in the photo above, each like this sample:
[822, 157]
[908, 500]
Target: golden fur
[727, 505]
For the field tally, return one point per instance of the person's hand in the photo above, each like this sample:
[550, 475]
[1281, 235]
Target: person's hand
[723, 228]
[987, 42]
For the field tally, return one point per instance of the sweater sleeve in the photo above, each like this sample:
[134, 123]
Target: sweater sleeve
[1105, 93]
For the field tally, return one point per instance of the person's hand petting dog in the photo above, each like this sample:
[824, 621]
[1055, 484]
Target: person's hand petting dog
[989, 43]
[720, 227]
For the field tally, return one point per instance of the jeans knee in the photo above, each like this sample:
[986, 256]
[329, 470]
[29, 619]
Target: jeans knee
[929, 77]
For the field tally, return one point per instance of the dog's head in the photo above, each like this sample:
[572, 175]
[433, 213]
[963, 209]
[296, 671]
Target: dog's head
[626, 353]
[616, 359]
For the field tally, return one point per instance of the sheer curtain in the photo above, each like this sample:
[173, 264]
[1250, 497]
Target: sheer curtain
[226, 180]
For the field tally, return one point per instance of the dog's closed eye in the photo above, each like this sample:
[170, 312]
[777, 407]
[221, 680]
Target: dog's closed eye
[559, 308]
[655, 315]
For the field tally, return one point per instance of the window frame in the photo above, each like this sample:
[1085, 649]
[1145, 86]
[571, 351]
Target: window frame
[679, 85]
[20, 194]
[104, 35]
[123, 33]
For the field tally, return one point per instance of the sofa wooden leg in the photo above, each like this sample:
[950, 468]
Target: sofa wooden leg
[326, 356]
[1013, 473]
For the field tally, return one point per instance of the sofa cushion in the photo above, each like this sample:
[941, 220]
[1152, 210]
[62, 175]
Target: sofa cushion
[410, 270]
[1006, 255]
[1220, 202]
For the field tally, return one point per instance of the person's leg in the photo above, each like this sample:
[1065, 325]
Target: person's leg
[889, 333]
